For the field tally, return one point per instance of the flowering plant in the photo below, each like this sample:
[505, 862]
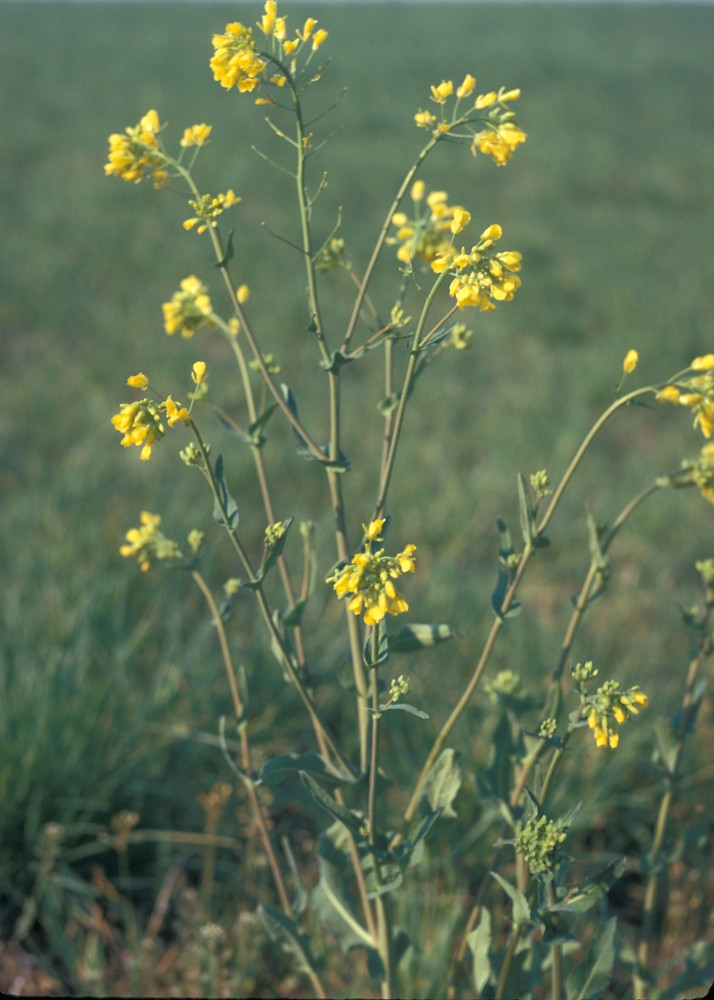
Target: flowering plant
[371, 843]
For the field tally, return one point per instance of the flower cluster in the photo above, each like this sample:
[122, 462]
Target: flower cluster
[481, 277]
[140, 422]
[695, 391]
[189, 308]
[505, 685]
[540, 841]
[368, 579]
[208, 208]
[429, 233]
[136, 151]
[196, 135]
[148, 542]
[398, 688]
[610, 706]
[141, 425]
[501, 135]
[237, 61]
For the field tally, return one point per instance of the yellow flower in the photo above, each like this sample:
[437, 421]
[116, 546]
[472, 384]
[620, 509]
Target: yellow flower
[460, 220]
[424, 119]
[442, 91]
[318, 38]
[703, 363]
[610, 706]
[198, 372]
[174, 412]
[482, 277]
[417, 191]
[670, 394]
[148, 541]
[368, 579]
[188, 309]
[136, 151]
[235, 62]
[139, 381]
[630, 362]
[467, 87]
[208, 208]
[498, 142]
[140, 424]
[197, 135]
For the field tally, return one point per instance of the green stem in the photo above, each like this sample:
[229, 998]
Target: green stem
[671, 778]
[388, 464]
[367, 277]
[384, 931]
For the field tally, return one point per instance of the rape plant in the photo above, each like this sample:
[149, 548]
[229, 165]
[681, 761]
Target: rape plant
[518, 929]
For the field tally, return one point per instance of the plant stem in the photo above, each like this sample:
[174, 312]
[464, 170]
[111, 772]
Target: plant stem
[384, 930]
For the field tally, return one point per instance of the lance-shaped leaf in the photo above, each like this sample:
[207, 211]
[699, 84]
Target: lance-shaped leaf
[411, 638]
[594, 889]
[505, 573]
[370, 660]
[289, 765]
[228, 255]
[528, 525]
[330, 898]
[590, 979]
[227, 503]
[255, 430]
[403, 707]
[521, 909]
[346, 817]
[286, 932]
[442, 784]
[479, 942]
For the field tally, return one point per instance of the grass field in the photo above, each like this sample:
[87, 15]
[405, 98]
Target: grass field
[110, 691]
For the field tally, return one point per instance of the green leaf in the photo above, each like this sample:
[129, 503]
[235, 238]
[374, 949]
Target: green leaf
[411, 638]
[505, 574]
[594, 889]
[293, 617]
[226, 500]
[301, 898]
[382, 652]
[402, 707]
[597, 556]
[442, 783]
[330, 898]
[346, 817]
[479, 942]
[228, 255]
[337, 360]
[496, 781]
[255, 430]
[521, 909]
[528, 526]
[285, 931]
[289, 765]
[590, 979]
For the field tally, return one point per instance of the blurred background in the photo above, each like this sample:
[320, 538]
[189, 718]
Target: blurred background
[110, 680]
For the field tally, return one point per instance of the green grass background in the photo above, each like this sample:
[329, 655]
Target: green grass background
[110, 681]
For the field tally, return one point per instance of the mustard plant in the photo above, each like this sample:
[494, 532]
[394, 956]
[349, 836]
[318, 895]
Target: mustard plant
[518, 929]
